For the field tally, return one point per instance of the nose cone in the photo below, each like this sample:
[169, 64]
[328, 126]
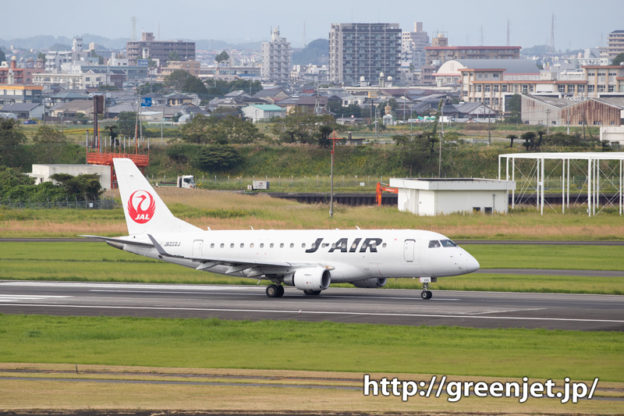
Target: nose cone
[472, 265]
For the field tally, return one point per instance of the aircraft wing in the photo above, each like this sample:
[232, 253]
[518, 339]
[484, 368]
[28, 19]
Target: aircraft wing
[249, 268]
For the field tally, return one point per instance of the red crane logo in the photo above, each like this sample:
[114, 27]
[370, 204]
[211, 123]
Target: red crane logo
[141, 206]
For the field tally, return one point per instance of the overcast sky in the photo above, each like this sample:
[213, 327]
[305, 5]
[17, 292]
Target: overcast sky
[578, 23]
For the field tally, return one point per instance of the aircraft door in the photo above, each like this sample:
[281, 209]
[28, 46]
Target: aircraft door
[197, 248]
[408, 250]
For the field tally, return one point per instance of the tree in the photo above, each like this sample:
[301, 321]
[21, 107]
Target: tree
[126, 123]
[3, 56]
[213, 130]
[222, 57]
[513, 109]
[217, 158]
[304, 128]
[511, 138]
[173, 56]
[81, 187]
[11, 141]
[150, 88]
[182, 81]
[619, 58]
[529, 140]
[47, 135]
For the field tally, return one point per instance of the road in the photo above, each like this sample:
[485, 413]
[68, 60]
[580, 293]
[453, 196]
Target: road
[387, 306]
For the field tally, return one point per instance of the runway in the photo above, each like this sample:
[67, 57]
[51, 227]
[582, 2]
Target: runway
[384, 306]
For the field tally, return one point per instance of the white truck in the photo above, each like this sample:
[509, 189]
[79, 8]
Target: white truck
[186, 181]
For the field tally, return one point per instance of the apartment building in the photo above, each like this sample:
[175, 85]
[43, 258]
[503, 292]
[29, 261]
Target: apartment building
[15, 94]
[365, 50]
[276, 59]
[413, 46]
[616, 43]
[161, 51]
[437, 55]
[11, 74]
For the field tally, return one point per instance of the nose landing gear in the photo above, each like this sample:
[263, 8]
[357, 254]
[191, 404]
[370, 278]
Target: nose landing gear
[426, 293]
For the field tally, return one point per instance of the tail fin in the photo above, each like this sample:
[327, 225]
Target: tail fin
[145, 212]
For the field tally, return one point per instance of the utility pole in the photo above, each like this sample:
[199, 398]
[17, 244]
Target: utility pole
[333, 138]
[547, 121]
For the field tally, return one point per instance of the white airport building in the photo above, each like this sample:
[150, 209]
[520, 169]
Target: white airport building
[435, 196]
[42, 173]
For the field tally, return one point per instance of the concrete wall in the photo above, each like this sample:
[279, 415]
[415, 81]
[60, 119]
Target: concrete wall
[42, 173]
[612, 134]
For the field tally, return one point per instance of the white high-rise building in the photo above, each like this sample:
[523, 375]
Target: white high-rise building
[276, 59]
[413, 47]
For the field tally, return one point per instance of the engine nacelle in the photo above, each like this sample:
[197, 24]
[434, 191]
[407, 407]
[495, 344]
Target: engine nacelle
[309, 278]
[370, 283]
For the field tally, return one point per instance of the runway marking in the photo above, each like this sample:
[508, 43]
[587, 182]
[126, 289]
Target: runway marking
[161, 292]
[303, 312]
[17, 298]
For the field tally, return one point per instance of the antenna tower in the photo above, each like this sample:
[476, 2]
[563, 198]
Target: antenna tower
[134, 38]
[552, 33]
[508, 37]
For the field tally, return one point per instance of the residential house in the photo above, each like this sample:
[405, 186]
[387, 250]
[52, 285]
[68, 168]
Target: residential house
[263, 112]
[24, 110]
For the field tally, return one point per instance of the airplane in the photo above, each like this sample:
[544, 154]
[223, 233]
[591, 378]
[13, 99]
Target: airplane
[309, 260]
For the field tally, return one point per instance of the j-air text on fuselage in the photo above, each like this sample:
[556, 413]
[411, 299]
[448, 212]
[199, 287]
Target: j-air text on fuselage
[309, 260]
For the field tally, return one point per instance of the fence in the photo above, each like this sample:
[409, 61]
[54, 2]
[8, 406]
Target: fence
[106, 203]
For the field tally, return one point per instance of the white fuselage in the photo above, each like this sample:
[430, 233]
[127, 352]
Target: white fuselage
[351, 255]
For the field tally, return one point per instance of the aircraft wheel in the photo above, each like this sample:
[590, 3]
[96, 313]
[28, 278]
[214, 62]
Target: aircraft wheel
[426, 294]
[272, 291]
[280, 291]
[312, 292]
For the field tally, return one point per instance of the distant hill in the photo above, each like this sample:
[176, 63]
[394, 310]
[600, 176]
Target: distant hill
[536, 50]
[44, 42]
[316, 52]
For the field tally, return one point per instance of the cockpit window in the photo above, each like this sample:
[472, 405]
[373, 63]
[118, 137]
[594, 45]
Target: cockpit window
[448, 243]
[434, 244]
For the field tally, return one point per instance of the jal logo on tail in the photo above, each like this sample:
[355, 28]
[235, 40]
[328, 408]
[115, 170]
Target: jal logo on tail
[141, 206]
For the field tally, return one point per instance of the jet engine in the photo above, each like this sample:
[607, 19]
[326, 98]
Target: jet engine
[309, 278]
[370, 283]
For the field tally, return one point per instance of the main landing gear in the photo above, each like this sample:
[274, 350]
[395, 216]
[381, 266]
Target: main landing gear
[275, 291]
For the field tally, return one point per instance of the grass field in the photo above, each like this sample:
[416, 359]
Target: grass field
[99, 262]
[227, 210]
[327, 346]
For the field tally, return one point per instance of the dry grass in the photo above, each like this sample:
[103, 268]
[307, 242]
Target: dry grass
[229, 210]
[44, 394]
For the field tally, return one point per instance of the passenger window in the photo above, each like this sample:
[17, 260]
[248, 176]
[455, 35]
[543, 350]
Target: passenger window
[384, 245]
[231, 245]
[434, 244]
[448, 243]
[325, 244]
[302, 245]
[222, 245]
[281, 245]
[251, 245]
[292, 245]
[261, 245]
[271, 245]
[353, 246]
[211, 245]
[242, 245]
